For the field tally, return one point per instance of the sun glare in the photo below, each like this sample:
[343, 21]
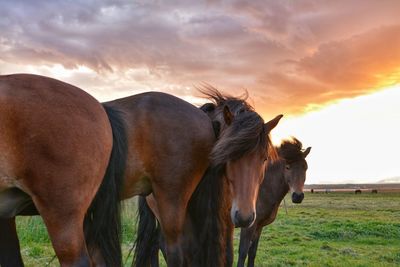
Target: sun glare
[354, 140]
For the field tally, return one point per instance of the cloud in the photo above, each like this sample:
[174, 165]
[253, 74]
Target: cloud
[339, 69]
[291, 56]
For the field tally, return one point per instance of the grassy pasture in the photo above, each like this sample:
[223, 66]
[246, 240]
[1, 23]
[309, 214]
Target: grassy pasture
[335, 229]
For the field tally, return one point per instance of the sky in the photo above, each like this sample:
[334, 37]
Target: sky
[332, 67]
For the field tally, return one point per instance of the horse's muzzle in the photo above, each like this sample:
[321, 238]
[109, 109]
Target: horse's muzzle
[241, 221]
[297, 197]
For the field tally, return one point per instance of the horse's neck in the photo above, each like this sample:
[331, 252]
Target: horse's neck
[274, 187]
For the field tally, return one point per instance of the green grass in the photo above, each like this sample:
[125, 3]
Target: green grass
[335, 229]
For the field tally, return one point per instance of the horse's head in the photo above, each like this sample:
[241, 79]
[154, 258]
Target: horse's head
[245, 172]
[242, 150]
[295, 167]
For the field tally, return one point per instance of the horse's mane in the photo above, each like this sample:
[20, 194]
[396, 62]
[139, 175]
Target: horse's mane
[205, 209]
[247, 132]
[236, 104]
[245, 135]
[208, 204]
[291, 150]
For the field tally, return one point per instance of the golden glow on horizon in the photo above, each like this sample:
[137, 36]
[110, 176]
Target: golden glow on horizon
[354, 140]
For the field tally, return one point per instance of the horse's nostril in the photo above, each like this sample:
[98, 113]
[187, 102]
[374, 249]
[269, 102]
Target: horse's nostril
[243, 222]
[237, 215]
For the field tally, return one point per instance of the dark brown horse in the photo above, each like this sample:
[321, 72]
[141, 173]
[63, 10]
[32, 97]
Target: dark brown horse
[226, 194]
[58, 154]
[169, 144]
[286, 174]
[169, 141]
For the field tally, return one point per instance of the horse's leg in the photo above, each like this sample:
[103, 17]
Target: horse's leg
[172, 217]
[229, 245]
[246, 237]
[10, 255]
[253, 248]
[161, 245]
[155, 261]
[63, 215]
[67, 237]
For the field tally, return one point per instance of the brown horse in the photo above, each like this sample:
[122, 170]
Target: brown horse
[169, 144]
[284, 175]
[169, 141]
[48, 129]
[236, 171]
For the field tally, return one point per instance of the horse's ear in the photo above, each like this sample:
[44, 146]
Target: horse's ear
[228, 116]
[272, 123]
[306, 152]
[208, 107]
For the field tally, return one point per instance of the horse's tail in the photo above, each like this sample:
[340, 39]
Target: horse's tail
[206, 210]
[147, 236]
[103, 219]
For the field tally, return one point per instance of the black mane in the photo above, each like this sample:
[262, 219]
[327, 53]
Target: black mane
[291, 150]
[245, 135]
[219, 100]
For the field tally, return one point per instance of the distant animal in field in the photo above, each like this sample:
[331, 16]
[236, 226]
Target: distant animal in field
[357, 191]
[286, 174]
[374, 191]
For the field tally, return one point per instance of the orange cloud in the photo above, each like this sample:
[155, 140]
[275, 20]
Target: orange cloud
[291, 56]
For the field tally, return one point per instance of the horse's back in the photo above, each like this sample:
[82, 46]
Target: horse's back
[48, 128]
[167, 135]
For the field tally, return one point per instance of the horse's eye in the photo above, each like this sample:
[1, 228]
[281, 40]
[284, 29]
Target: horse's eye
[287, 167]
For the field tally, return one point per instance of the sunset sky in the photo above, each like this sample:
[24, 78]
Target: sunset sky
[332, 67]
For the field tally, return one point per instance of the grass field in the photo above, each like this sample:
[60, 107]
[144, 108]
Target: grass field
[335, 229]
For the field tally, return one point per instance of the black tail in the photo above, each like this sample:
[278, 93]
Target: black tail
[103, 219]
[206, 209]
[147, 236]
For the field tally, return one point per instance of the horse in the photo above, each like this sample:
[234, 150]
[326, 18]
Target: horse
[168, 142]
[227, 192]
[60, 153]
[286, 174]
